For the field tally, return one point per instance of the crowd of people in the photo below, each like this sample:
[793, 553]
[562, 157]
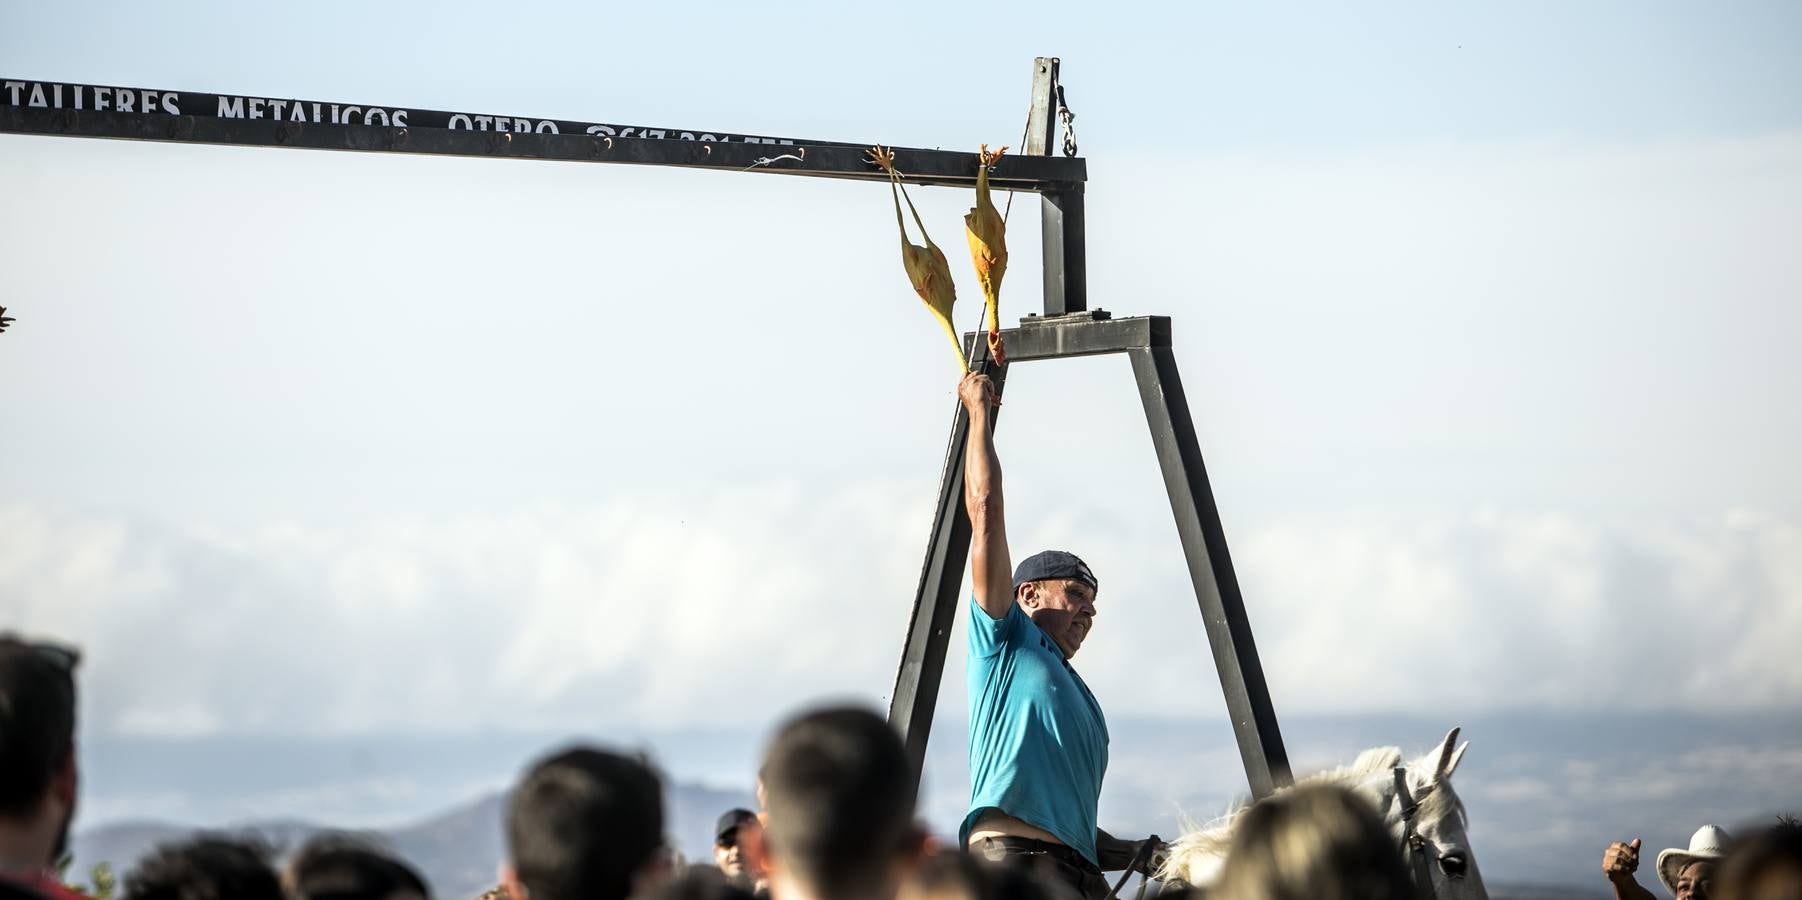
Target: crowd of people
[836, 816]
[836, 821]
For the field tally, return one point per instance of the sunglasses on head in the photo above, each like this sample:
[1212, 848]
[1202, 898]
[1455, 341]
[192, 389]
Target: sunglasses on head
[65, 659]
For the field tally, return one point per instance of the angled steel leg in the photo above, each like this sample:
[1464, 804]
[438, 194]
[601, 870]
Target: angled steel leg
[1211, 569]
[936, 598]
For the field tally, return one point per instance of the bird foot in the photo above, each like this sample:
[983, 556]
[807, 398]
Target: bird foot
[997, 350]
[884, 159]
[989, 159]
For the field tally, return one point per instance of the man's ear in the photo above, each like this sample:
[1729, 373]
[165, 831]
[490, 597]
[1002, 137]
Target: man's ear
[1028, 595]
[63, 785]
[916, 846]
[510, 881]
[657, 870]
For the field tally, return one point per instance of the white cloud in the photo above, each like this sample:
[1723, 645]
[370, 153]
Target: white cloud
[666, 611]
[643, 613]
[1538, 611]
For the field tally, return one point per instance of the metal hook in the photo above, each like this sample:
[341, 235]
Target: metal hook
[772, 160]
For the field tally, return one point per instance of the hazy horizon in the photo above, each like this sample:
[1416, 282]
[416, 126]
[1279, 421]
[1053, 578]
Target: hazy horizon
[1545, 791]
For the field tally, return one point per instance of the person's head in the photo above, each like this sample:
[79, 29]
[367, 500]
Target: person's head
[584, 824]
[1765, 866]
[205, 868]
[37, 751]
[1695, 881]
[726, 840]
[841, 804]
[1688, 873]
[1316, 842]
[339, 867]
[1057, 590]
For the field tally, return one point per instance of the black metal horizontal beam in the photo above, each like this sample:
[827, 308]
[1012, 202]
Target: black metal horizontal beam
[1086, 333]
[225, 120]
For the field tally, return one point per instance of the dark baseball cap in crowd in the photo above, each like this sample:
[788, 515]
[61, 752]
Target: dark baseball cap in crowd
[1054, 564]
[729, 822]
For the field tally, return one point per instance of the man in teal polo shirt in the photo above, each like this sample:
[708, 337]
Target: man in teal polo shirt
[1038, 740]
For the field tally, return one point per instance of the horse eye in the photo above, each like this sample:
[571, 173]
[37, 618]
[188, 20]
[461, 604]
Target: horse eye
[1453, 865]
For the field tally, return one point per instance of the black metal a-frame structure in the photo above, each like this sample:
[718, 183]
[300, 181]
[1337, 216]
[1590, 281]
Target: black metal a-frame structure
[1068, 328]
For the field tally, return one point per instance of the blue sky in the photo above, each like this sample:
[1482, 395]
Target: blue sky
[1203, 76]
[1491, 318]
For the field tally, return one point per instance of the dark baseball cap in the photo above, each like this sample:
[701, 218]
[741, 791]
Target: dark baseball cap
[729, 822]
[1054, 564]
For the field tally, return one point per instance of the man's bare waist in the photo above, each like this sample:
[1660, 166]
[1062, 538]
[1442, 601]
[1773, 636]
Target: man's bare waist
[996, 823]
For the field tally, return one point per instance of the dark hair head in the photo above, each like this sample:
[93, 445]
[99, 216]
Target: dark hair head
[37, 720]
[841, 799]
[341, 867]
[1316, 842]
[583, 824]
[205, 868]
[1764, 864]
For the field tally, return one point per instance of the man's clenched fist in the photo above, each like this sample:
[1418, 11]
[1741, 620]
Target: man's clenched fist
[978, 393]
[1620, 861]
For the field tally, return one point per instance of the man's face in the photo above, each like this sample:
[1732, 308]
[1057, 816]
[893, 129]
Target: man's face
[1694, 882]
[726, 854]
[1064, 609]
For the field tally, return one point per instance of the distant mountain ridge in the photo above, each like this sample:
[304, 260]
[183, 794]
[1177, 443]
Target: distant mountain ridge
[458, 851]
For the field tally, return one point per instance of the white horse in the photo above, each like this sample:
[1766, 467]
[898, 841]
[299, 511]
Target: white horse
[1415, 800]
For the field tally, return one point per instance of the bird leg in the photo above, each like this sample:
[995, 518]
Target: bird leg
[885, 159]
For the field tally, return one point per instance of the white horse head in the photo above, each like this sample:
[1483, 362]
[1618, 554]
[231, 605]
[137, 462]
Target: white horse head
[1424, 816]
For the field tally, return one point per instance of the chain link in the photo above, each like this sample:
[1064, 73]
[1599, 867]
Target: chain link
[1067, 117]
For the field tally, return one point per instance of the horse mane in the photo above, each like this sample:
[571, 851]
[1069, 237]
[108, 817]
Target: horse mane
[1197, 855]
[1375, 761]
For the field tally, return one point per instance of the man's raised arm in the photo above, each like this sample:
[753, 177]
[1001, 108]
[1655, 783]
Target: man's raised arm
[991, 570]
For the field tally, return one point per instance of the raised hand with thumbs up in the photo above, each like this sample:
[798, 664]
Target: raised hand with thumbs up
[1619, 862]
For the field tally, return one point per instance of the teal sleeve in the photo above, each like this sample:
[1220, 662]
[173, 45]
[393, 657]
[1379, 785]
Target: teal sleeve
[989, 636]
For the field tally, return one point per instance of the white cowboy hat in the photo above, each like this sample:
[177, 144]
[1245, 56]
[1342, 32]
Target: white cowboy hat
[1709, 842]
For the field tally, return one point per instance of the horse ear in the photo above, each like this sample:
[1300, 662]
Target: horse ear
[1443, 768]
[1452, 764]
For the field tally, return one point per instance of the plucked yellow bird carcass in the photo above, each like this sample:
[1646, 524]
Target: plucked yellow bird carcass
[926, 266]
[987, 232]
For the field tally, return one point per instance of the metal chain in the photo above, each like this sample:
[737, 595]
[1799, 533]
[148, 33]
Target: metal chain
[1067, 117]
